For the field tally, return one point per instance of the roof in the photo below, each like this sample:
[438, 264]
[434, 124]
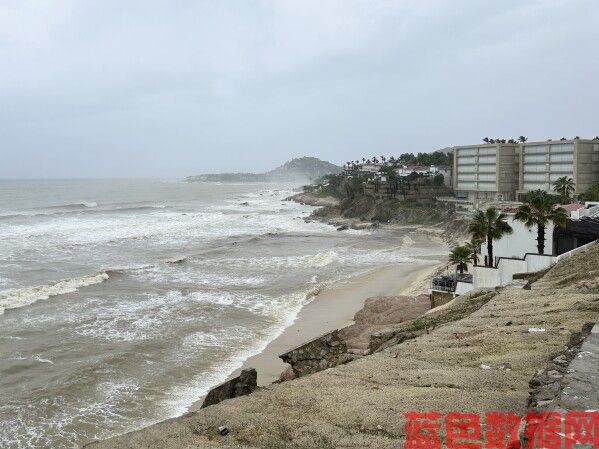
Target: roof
[572, 206]
[587, 228]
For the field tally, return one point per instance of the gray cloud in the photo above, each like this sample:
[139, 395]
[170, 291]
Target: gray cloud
[162, 88]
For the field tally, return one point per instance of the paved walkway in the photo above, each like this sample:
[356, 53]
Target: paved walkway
[581, 392]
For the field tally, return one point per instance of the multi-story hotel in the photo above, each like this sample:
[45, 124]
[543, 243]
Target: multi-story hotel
[507, 171]
[544, 162]
[485, 171]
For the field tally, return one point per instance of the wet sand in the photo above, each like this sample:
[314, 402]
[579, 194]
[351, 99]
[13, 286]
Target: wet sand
[335, 308]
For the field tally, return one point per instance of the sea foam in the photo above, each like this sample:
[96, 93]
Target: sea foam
[20, 297]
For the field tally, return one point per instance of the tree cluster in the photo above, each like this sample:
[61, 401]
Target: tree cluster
[489, 225]
[437, 158]
[520, 139]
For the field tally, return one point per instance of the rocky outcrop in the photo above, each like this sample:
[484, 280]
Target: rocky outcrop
[311, 199]
[378, 314]
[241, 385]
[319, 354]
[461, 307]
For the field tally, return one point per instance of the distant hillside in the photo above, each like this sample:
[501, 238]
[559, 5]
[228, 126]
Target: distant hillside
[299, 169]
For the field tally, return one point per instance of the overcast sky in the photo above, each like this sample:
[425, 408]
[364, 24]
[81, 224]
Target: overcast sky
[165, 88]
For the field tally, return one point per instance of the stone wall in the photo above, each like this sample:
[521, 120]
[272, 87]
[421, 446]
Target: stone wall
[319, 354]
[241, 385]
[439, 298]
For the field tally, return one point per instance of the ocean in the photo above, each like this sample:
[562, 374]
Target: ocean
[124, 301]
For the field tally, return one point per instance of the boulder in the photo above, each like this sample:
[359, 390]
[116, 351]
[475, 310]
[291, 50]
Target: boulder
[241, 385]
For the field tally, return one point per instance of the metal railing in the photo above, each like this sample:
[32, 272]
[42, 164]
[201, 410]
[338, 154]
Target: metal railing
[449, 283]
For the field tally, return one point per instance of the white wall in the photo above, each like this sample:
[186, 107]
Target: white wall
[591, 208]
[522, 241]
[536, 262]
[462, 288]
[485, 277]
[509, 267]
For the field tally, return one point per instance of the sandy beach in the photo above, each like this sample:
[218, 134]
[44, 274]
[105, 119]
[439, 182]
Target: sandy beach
[335, 308]
[477, 355]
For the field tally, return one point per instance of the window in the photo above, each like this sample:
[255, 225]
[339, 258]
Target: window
[535, 168]
[487, 186]
[531, 186]
[466, 152]
[484, 151]
[562, 168]
[534, 177]
[486, 168]
[535, 158]
[466, 160]
[563, 147]
[467, 177]
[467, 185]
[535, 149]
[466, 169]
[564, 157]
[486, 177]
[487, 159]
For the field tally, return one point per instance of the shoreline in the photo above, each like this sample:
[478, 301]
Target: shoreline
[334, 308]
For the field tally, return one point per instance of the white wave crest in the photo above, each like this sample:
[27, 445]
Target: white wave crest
[21, 297]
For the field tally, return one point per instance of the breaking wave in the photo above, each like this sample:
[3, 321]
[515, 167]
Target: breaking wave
[82, 205]
[20, 297]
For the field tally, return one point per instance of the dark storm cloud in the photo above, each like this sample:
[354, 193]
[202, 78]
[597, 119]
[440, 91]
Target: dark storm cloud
[163, 88]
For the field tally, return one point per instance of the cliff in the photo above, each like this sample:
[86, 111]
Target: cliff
[476, 354]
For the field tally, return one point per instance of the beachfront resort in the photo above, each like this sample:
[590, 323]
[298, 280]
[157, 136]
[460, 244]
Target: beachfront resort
[526, 204]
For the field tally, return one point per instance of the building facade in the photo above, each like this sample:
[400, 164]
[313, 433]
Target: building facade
[544, 162]
[487, 172]
[507, 171]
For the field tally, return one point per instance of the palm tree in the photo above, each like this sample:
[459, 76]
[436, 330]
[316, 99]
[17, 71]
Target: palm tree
[564, 186]
[522, 139]
[473, 246]
[460, 256]
[489, 224]
[486, 140]
[538, 211]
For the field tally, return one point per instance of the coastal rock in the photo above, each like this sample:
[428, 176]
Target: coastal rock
[378, 314]
[319, 354]
[241, 385]
[287, 374]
